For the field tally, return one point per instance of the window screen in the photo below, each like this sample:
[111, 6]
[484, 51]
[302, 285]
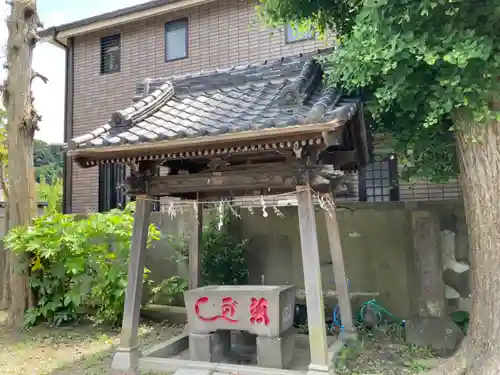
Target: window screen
[110, 54]
[292, 34]
[176, 40]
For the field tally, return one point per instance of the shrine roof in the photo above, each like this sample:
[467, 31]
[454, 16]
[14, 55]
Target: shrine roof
[271, 97]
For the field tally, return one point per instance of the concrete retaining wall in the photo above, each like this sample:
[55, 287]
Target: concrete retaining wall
[376, 240]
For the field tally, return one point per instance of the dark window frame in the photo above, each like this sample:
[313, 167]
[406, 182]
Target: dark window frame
[184, 21]
[102, 46]
[312, 36]
[110, 193]
[390, 182]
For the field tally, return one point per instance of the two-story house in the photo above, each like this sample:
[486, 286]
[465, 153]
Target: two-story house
[107, 56]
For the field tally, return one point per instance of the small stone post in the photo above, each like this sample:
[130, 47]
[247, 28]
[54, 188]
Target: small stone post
[126, 357]
[429, 324]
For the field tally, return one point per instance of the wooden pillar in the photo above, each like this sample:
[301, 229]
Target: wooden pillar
[332, 228]
[312, 281]
[127, 354]
[196, 227]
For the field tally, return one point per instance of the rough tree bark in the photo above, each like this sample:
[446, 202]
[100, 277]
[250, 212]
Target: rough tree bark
[5, 267]
[479, 154]
[22, 122]
[4, 252]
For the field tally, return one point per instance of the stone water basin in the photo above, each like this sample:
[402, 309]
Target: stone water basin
[263, 310]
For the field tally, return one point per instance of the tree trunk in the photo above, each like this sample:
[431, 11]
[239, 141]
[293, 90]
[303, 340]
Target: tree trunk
[22, 122]
[5, 268]
[479, 155]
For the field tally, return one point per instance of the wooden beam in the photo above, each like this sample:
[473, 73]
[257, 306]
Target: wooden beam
[281, 176]
[127, 354]
[200, 143]
[195, 245]
[312, 281]
[339, 274]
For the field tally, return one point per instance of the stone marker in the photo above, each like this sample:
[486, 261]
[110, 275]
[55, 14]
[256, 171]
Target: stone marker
[441, 334]
[430, 324]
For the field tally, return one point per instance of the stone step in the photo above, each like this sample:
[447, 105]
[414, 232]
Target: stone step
[190, 371]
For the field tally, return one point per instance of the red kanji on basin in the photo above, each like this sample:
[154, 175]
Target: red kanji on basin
[258, 311]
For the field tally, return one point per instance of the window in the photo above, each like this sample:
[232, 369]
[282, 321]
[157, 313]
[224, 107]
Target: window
[378, 181]
[176, 40]
[111, 195]
[292, 34]
[110, 54]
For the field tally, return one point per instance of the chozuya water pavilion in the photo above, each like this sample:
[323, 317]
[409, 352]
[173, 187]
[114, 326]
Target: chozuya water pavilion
[265, 128]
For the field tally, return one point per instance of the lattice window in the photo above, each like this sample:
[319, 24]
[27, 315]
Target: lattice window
[110, 54]
[378, 180]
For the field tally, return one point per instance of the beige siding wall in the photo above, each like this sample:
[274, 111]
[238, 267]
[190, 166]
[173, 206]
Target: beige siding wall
[221, 34]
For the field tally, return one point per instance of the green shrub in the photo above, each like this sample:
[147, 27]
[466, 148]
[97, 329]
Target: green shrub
[77, 265]
[50, 193]
[170, 290]
[223, 259]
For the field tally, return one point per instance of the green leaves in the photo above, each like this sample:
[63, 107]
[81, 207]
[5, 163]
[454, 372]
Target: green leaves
[77, 264]
[418, 63]
[223, 259]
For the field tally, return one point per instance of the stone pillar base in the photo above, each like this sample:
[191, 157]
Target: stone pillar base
[126, 360]
[276, 352]
[442, 335]
[209, 347]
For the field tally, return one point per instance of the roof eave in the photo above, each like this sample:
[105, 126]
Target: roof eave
[216, 141]
[117, 18]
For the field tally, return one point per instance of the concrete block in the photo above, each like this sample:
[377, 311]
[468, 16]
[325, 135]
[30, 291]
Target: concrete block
[209, 347]
[276, 352]
[126, 360]
[440, 334]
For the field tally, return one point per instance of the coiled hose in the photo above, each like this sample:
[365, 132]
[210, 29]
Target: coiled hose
[376, 309]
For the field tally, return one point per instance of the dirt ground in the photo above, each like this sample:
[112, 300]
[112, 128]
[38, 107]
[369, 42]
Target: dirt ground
[81, 350]
[87, 350]
[384, 353]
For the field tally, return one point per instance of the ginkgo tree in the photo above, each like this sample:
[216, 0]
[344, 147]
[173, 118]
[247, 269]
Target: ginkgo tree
[429, 71]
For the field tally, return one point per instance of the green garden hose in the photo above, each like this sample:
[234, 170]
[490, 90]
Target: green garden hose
[379, 312]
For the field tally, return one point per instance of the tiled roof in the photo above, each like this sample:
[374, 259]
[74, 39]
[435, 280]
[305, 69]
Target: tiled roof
[288, 92]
